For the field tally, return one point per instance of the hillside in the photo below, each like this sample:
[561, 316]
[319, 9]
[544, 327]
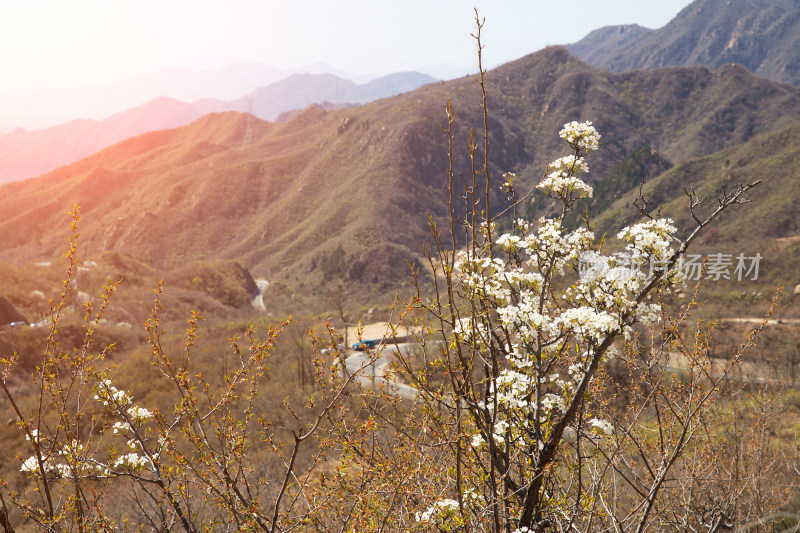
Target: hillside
[773, 158]
[762, 35]
[25, 154]
[768, 225]
[345, 195]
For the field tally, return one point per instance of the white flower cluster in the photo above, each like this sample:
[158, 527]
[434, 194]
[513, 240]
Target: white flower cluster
[121, 428]
[58, 463]
[513, 409]
[439, 511]
[610, 282]
[547, 329]
[73, 459]
[31, 465]
[595, 267]
[649, 239]
[588, 323]
[508, 182]
[139, 414]
[568, 187]
[469, 331]
[479, 274]
[134, 417]
[510, 243]
[581, 136]
[133, 461]
[73, 449]
[551, 245]
[570, 164]
[109, 394]
[562, 180]
[602, 426]
[118, 400]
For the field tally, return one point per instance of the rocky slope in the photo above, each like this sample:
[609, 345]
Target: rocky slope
[762, 35]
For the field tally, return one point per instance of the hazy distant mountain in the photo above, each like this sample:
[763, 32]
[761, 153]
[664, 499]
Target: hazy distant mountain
[300, 90]
[282, 197]
[24, 154]
[29, 153]
[39, 109]
[762, 35]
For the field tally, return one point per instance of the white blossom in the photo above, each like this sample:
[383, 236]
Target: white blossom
[547, 323]
[603, 426]
[649, 239]
[580, 135]
[35, 433]
[565, 185]
[570, 164]
[588, 323]
[467, 330]
[551, 401]
[510, 243]
[133, 460]
[109, 394]
[73, 450]
[31, 464]
[121, 428]
[440, 510]
[139, 414]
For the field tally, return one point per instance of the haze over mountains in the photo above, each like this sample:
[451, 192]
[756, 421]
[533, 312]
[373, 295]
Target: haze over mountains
[357, 184]
[762, 35]
[283, 195]
[25, 154]
[98, 101]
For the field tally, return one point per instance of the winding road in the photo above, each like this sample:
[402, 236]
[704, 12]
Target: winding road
[258, 298]
[372, 374]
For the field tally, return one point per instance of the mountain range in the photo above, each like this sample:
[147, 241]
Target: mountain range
[57, 105]
[761, 35]
[284, 196]
[343, 195]
[24, 154]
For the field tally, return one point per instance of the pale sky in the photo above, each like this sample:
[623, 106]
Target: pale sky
[62, 44]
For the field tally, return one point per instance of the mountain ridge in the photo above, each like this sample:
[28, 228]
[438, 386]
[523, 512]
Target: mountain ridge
[762, 35]
[281, 197]
[301, 90]
[24, 154]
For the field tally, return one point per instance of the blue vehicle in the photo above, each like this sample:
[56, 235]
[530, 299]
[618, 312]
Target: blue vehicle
[364, 345]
